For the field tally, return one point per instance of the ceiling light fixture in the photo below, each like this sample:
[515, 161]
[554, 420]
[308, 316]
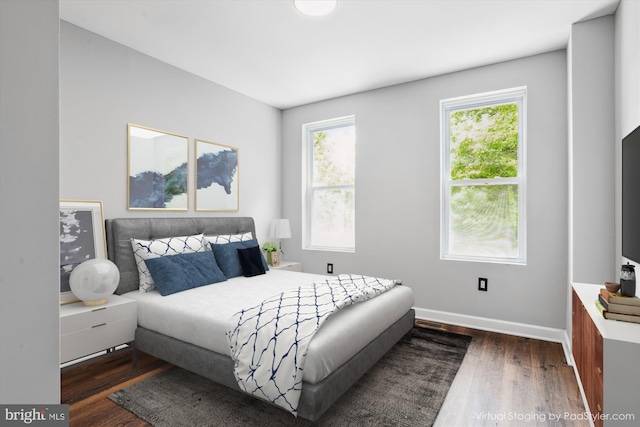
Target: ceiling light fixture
[315, 7]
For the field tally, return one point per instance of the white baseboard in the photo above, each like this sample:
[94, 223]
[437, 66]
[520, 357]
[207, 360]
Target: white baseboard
[501, 326]
[566, 346]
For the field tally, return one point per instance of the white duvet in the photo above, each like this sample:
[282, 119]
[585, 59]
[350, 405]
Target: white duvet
[201, 316]
[269, 341]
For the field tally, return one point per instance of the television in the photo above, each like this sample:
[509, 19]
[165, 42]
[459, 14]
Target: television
[631, 196]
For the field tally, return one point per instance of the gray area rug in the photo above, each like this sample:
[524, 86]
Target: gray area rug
[405, 388]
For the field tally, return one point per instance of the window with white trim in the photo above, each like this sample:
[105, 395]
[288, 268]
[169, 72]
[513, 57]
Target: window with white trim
[330, 191]
[483, 177]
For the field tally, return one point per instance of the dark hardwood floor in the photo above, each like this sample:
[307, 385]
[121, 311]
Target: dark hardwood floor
[503, 381]
[85, 388]
[506, 380]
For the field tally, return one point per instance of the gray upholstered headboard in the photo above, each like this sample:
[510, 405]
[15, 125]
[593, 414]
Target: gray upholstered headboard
[120, 231]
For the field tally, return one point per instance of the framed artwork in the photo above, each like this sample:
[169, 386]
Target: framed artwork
[158, 165]
[82, 238]
[217, 176]
[275, 259]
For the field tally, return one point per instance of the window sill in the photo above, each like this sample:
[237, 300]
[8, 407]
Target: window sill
[486, 260]
[329, 249]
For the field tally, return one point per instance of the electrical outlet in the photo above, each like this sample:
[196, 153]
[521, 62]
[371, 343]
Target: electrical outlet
[329, 268]
[483, 284]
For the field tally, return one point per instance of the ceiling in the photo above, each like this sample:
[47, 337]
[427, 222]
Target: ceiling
[267, 50]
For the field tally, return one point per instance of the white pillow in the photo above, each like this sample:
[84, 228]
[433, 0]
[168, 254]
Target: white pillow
[147, 249]
[221, 239]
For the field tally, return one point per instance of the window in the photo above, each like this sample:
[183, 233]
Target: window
[483, 177]
[329, 202]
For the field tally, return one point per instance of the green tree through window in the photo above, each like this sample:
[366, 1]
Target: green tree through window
[484, 142]
[483, 178]
[330, 193]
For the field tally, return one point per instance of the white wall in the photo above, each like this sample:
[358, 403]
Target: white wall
[104, 86]
[398, 190]
[29, 255]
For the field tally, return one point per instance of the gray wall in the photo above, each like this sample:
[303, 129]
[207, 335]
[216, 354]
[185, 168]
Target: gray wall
[592, 146]
[104, 86]
[29, 260]
[591, 151]
[627, 95]
[398, 190]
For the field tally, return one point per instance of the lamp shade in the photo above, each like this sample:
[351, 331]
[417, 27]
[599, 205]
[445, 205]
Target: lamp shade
[280, 229]
[94, 280]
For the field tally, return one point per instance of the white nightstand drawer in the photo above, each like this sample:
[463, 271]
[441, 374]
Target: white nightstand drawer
[93, 340]
[86, 330]
[80, 320]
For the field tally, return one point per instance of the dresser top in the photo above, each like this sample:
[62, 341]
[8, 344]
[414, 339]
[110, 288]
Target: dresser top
[609, 329]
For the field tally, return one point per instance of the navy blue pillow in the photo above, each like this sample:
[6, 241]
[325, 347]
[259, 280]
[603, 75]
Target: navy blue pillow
[178, 273]
[251, 261]
[228, 259]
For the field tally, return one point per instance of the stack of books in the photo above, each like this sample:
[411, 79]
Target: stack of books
[616, 307]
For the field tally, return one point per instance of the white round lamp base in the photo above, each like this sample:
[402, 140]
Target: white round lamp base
[96, 302]
[94, 281]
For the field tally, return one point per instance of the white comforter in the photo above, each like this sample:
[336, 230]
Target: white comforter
[269, 341]
[201, 316]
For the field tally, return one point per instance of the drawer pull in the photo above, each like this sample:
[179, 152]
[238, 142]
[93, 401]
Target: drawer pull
[98, 309]
[598, 369]
[599, 407]
[97, 326]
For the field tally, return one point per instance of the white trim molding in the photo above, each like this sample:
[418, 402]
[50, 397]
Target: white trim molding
[500, 326]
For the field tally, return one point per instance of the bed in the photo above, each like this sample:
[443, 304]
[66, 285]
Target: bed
[347, 344]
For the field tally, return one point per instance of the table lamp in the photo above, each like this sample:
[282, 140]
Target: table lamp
[94, 280]
[280, 229]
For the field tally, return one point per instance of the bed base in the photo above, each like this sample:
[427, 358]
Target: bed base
[315, 400]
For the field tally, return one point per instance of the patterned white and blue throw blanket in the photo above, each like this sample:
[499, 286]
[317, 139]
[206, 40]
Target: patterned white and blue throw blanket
[269, 342]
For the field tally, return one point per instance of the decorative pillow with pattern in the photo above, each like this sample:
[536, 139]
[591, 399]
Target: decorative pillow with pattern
[221, 239]
[148, 249]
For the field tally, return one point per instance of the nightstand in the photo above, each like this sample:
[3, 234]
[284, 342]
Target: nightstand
[85, 330]
[289, 265]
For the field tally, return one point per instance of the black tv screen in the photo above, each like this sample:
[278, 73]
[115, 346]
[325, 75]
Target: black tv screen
[631, 196]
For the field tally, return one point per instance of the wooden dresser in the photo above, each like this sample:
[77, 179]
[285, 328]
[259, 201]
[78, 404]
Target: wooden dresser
[607, 358]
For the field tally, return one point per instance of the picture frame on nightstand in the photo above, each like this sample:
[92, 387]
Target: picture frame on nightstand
[82, 237]
[275, 259]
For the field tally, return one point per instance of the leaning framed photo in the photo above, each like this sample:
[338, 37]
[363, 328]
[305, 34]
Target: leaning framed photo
[275, 259]
[82, 238]
[158, 165]
[217, 177]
